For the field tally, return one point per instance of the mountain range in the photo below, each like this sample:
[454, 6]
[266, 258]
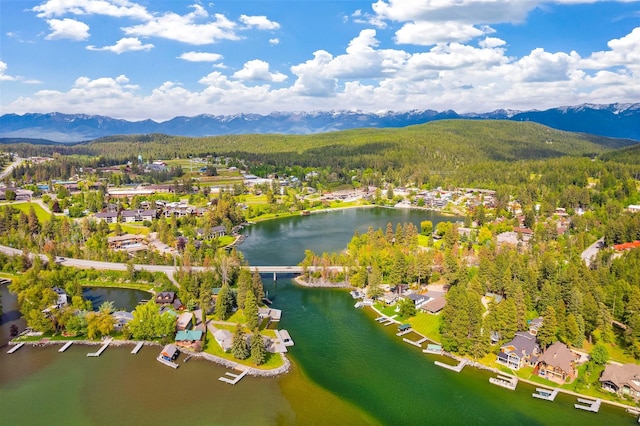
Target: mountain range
[612, 120]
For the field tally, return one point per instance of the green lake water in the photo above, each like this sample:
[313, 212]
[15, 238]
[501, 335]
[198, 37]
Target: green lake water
[348, 369]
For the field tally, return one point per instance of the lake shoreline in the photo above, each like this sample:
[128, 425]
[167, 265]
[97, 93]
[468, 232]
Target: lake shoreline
[223, 362]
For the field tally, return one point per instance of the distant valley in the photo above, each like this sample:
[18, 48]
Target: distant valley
[613, 120]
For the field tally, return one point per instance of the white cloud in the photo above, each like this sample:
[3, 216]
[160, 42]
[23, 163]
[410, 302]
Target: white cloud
[114, 8]
[623, 51]
[257, 70]
[200, 57]
[127, 44]
[260, 22]
[67, 28]
[365, 18]
[463, 11]
[491, 42]
[541, 66]
[3, 75]
[187, 28]
[428, 33]
[274, 41]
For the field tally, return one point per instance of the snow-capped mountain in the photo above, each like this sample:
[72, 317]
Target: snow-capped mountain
[613, 120]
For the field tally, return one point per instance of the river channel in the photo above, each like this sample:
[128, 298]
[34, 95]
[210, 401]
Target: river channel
[348, 369]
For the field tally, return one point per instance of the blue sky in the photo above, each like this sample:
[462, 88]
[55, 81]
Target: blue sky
[136, 59]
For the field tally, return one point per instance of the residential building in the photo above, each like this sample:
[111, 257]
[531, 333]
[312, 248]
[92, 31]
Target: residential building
[623, 380]
[523, 350]
[108, 217]
[185, 321]
[557, 363]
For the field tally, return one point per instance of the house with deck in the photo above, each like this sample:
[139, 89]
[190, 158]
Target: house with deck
[185, 321]
[557, 363]
[523, 350]
[623, 380]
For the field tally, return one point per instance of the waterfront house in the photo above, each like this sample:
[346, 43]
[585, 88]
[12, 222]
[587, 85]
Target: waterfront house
[522, 350]
[623, 380]
[224, 339]
[165, 297]
[190, 339]
[418, 299]
[121, 318]
[169, 352]
[557, 363]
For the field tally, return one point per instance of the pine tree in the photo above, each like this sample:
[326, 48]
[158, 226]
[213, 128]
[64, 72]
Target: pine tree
[239, 347]
[244, 284]
[258, 349]
[251, 310]
[224, 303]
[547, 333]
[256, 283]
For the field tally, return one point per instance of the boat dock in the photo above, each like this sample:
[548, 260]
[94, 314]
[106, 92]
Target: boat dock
[15, 348]
[284, 337]
[137, 348]
[66, 346]
[404, 329]
[457, 368]
[433, 349]
[102, 349]
[507, 382]
[589, 405]
[546, 394]
[167, 362]
[235, 378]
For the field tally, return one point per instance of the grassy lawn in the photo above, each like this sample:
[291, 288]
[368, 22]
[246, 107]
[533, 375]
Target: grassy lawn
[212, 347]
[130, 228]
[226, 240]
[428, 325]
[25, 207]
[616, 352]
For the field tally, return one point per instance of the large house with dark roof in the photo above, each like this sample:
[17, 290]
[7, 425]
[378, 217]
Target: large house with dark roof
[623, 380]
[523, 350]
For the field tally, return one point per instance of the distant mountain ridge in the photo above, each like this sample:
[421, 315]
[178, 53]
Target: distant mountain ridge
[612, 120]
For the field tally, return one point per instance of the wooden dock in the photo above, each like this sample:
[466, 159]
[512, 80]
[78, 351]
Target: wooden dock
[507, 382]
[66, 346]
[589, 405]
[235, 378]
[102, 349]
[546, 394]
[403, 332]
[457, 368]
[15, 348]
[137, 348]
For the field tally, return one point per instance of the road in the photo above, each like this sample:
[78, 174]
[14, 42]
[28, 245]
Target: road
[590, 253]
[10, 168]
[168, 270]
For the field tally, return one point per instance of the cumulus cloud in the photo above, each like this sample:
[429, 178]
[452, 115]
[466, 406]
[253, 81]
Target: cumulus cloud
[200, 57]
[260, 22]
[127, 44]
[428, 33]
[3, 75]
[623, 51]
[187, 28]
[114, 8]
[274, 41]
[67, 28]
[257, 70]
